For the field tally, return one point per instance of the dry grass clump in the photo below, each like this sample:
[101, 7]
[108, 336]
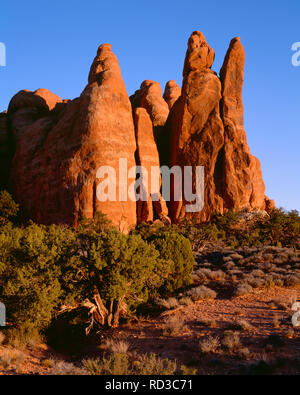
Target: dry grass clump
[227, 259]
[188, 370]
[63, 368]
[122, 364]
[242, 325]
[292, 280]
[244, 353]
[185, 301]
[229, 265]
[210, 345]
[168, 304]
[231, 341]
[243, 289]
[21, 339]
[150, 364]
[115, 346]
[48, 363]
[256, 282]
[257, 273]
[175, 326]
[236, 257]
[202, 275]
[12, 358]
[201, 293]
[218, 275]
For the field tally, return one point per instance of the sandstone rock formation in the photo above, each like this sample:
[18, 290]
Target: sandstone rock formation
[243, 186]
[55, 166]
[27, 107]
[197, 133]
[149, 96]
[201, 136]
[172, 93]
[59, 145]
[147, 157]
[5, 152]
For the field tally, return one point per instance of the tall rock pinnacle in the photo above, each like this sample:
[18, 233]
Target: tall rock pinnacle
[243, 186]
[197, 133]
[57, 157]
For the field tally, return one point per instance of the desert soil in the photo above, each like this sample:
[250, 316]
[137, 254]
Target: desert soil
[148, 335]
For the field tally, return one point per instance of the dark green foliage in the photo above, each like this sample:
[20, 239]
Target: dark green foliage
[119, 265]
[44, 268]
[175, 249]
[279, 228]
[199, 234]
[31, 267]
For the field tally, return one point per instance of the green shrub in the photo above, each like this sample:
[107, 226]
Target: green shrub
[116, 271]
[176, 250]
[279, 228]
[43, 268]
[31, 265]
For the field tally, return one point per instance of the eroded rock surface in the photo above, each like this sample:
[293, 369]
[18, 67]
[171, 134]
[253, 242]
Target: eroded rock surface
[55, 166]
[172, 93]
[243, 186]
[197, 132]
[59, 145]
[147, 157]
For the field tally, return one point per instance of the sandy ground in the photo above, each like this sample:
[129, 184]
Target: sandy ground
[148, 335]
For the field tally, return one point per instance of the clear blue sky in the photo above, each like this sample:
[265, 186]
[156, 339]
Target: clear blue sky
[51, 44]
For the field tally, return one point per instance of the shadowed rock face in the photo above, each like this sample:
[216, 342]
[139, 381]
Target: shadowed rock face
[57, 156]
[5, 152]
[59, 145]
[149, 96]
[147, 156]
